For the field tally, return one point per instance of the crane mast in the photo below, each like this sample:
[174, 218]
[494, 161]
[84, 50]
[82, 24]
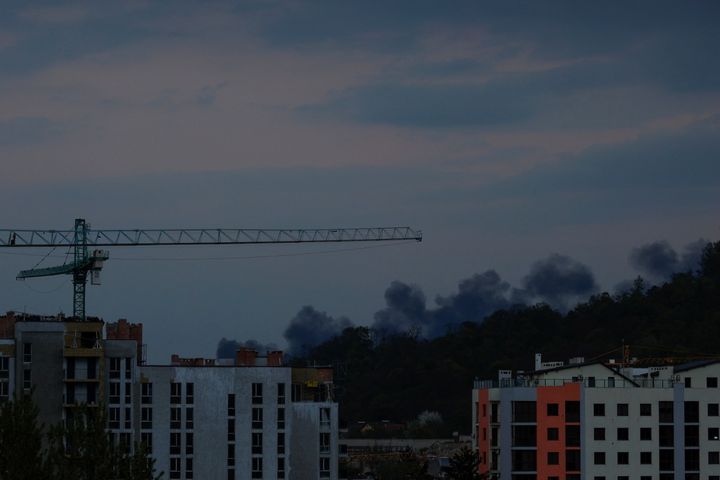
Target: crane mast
[88, 262]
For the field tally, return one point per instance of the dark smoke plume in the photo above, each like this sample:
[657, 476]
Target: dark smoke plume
[226, 348]
[405, 310]
[659, 260]
[311, 327]
[477, 297]
[558, 280]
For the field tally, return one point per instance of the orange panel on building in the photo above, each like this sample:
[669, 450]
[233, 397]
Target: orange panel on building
[551, 453]
[483, 433]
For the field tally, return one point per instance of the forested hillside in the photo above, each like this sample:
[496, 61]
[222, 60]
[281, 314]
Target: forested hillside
[399, 376]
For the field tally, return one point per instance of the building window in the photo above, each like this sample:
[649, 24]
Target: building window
[553, 433]
[553, 458]
[324, 467]
[665, 412]
[572, 435]
[114, 393]
[692, 436]
[599, 409]
[114, 368]
[257, 467]
[281, 394]
[146, 393]
[175, 418]
[645, 409]
[128, 393]
[189, 418]
[281, 419]
[27, 379]
[714, 458]
[324, 442]
[623, 433]
[189, 445]
[257, 443]
[188, 468]
[231, 455]
[281, 443]
[623, 477]
[667, 459]
[114, 417]
[174, 467]
[524, 412]
[623, 458]
[692, 412]
[572, 461]
[713, 433]
[688, 382]
[645, 458]
[175, 392]
[325, 417]
[711, 382]
[257, 396]
[646, 433]
[146, 418]
[27, 352]
[622, 409]
[713, 410]
[553, 410]
[231, 429]
[128, 419]
[281, 467]
[146, 439]
[666, 435]
[599, 434]
[692, 460]
[572, 411]
[190, 393]
[231, 404]
[4, 366]
[175, 443]
[257, 418]
[599, 458]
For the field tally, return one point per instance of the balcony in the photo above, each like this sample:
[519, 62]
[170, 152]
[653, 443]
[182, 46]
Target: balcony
[80, 375]
[585, 382]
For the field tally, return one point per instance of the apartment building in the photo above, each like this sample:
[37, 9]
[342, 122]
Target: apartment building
[249, 417]
[599, 421]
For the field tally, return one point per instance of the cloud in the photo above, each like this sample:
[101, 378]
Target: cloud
[311, 327]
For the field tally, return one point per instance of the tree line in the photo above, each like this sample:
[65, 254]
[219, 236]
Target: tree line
[397, 377]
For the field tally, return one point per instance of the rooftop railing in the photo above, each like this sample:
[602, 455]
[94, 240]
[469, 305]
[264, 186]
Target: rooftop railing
[587, 382]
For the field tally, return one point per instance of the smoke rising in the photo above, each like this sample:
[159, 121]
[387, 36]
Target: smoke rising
[659, 260]
[311, 327]
[226, 348]
[558, 280]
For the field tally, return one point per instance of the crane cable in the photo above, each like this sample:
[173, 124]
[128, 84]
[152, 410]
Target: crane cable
[245, 257]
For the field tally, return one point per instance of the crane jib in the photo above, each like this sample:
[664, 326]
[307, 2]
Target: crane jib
[127, 238]
[90, 262]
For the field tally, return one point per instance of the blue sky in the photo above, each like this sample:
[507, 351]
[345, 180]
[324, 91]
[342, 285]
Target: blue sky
[506, 131]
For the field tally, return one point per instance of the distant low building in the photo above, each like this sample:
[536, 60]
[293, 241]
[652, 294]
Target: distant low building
[251, 417]
[600, 421]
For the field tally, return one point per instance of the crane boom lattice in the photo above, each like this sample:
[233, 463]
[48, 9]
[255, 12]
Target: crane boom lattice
[90, 262]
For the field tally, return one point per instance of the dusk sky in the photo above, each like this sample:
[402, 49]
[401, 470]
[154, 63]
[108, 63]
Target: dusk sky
[506, 131]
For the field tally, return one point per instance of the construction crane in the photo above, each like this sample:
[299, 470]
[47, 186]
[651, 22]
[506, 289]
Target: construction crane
[88, 258]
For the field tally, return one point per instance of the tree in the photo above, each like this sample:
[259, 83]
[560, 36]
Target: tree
[405, 466]
[82, 449]
[464, 465]
[21, 452]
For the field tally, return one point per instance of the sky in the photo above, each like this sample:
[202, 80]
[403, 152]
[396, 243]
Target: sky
[516, 135]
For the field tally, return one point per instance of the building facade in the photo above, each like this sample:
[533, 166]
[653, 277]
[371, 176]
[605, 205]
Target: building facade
[243, 418]
[600, 421]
